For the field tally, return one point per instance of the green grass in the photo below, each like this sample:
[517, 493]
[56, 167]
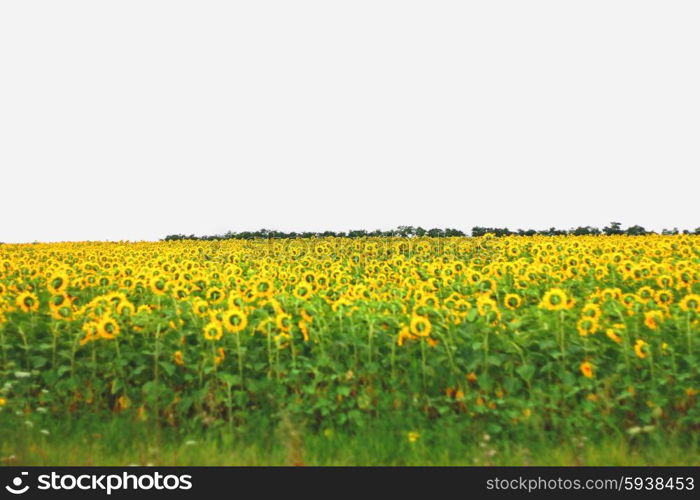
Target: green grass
[121, 441]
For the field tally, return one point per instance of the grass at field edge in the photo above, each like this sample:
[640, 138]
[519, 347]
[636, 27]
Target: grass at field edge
[122, 442]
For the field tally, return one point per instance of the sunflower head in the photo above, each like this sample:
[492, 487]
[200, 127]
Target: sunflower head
[179, 358]
[652, 319]
[27, 301]
[586, 369]
[58, 283]
[215, 295]
[663, 297]
[691, 303]
[158, 285]
[107, 327]
[283, 322]
[420, 326]
[235, 320]
[213, 330]
[555, 300]
[587, 326]
[641, 349]
[512, 301]
[302, 291]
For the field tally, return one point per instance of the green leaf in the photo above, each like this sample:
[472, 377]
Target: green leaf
[168, 367]
[39, 361]
[229, 378]
[116, 385]
[526, 371]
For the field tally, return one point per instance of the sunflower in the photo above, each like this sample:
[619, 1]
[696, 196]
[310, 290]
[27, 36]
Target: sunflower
[215, 295]
[235, 301]
[431, 341]
[158, 285]
[179, 358]
[64, 313]
[640, 349]
[235, 320]
[420, 326]
[304, 328]
[592, 311]
[27, 302]
[127, 283]
[512, 301]
[691, 303]
[264, 288]
[126, 308]
[58, 301]
[431, 301]
[213, 330]
[307, 314]
[282, 340]
[612, 335]
[555, 300]
[107, 327]
[485, 304]
[200, 307]
[340, 304]
[283, 322]
[685, 279]
[474, 277]
[587, 369]
[610, 294]
[664, 281]
[462, 307]
[645, 293]
[302, 291]
[652, 319]
[58, 283]
[404, 334]
[220, 356]
[179, 292]
[663, 297]
[91, 332]
[587, 326]
[629, 300]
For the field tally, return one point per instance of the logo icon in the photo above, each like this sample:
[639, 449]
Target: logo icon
[17, 482]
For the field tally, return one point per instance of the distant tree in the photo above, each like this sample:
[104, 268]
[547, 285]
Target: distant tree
[636, 231]
[406, 231]
[357, 233]
[584, 231]
[409, 231]
[613, 228]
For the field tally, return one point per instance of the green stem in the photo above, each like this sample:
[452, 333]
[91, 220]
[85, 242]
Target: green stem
[369, 339]
[240, 356]
[269, 351]
[690, 341]
[3, 348]
[26, 347]
[422, 366]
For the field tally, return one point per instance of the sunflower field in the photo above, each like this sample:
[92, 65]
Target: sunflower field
[509, 336]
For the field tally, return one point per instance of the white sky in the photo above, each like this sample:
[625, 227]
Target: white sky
[137, 119]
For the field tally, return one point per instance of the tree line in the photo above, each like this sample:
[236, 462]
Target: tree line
[614, 228]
